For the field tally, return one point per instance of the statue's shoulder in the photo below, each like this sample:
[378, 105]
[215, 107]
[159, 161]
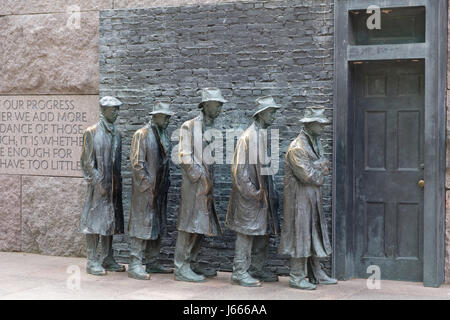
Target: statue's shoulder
[142, 131]
[190, 123]
[299, 142]
[92, 129]
[251, 130]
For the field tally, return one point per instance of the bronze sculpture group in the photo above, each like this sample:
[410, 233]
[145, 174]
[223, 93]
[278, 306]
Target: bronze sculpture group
[252, 209]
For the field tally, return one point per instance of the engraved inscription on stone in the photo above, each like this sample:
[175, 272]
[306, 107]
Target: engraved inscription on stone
[43, 135]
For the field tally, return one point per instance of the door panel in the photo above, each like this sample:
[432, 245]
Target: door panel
[389, 137]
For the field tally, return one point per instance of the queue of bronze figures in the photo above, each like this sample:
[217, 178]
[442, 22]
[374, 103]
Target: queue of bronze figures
[252, 208]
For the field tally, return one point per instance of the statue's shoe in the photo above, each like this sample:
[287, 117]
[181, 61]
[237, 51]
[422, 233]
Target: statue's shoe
[324, 280]
[186, 274]
[138, 274]
[113, 266]
[95, 269]
[207, 272]
[157, 268]
[246, 281]
[302, 284]
[264, 276]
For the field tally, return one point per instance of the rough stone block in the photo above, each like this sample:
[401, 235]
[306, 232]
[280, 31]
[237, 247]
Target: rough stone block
[51, 210]
[52, 141]
[447, 172]
[54, 6]
[10, 213]
[447, 238]
[49, 54]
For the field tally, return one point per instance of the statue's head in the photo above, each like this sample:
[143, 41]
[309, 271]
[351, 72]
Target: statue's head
[266, 117]
[315, 128]
[161, 115]
[212, 109]
[315, 120]
[212, 102]
[110, 108]
[266, 109]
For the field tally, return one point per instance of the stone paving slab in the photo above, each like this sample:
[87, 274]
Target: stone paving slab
[30, 276]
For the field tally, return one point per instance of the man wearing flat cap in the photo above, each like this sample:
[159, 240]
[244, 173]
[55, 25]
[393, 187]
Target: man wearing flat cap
[102, 215]
[304, 235]
[197, 214]
[253, 207]
[150, 154]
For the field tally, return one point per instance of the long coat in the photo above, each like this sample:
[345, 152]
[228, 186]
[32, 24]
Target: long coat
[253, 206]
[197, 212]
[150, 183]
[304, 231]
[100, 163]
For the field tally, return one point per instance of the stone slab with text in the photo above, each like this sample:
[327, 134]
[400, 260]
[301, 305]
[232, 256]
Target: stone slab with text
[43, 135]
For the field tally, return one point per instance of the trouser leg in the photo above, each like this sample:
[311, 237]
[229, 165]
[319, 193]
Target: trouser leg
[316, 274]
[136, 252]
[152, 249]
[107, 252]
[242, 255]
[107, 255]
[92, 247]
[187, 243]
[197, 245]
[93, 265]
[260, 252]
[298, 269]
[135, 268]
[183, 249]
[314, 269]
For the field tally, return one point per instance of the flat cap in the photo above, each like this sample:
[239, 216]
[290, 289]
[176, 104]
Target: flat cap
[110, 102]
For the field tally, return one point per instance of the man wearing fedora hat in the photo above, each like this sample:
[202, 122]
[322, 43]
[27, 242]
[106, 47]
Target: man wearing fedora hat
[304, 235]
[253, 207]
[197, 214]
[149, 157]
[102, 215]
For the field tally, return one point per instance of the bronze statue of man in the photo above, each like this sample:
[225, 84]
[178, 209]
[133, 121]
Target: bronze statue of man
[197, 214]
[150, 155]
[102, 215]
[252, 210]
[304, 235]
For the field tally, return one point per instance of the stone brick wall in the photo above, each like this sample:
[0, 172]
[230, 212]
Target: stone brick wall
[447, 178]
[247, 49]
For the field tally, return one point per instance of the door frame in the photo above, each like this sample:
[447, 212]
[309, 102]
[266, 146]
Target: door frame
[434, 52]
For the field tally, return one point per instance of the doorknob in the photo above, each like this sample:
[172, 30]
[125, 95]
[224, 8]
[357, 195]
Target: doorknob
[421, 183]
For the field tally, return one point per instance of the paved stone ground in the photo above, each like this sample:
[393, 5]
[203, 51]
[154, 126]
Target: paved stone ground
[29, 276]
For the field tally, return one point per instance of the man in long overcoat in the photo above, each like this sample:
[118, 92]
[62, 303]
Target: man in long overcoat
[253, 207]
[102, 215]
[197, 214]
[150, 154]
[304, 235]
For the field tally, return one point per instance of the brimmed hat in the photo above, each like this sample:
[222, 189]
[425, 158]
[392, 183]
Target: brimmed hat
[264, 103]
[163, 108]
[211, 94]
[110, 102]
[315, 114]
